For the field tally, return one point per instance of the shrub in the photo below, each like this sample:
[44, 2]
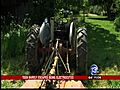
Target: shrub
[13, 39]
[96, 10]
[117, 24]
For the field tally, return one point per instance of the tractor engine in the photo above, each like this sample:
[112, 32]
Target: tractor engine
[62, 32]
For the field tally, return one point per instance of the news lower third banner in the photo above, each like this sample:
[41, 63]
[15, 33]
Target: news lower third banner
[13, 77]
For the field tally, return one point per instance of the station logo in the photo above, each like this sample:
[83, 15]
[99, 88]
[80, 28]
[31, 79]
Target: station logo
[94, 69]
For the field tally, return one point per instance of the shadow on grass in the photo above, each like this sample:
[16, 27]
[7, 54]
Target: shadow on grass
[103, 47]
[14, 66]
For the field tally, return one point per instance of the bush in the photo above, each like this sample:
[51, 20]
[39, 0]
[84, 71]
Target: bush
[96, 10]
[117, 24]
[13, 40]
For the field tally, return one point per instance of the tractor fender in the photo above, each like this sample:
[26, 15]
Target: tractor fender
[71, 33]
[44, 33]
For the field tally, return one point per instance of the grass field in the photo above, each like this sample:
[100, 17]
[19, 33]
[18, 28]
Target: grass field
[103, 50]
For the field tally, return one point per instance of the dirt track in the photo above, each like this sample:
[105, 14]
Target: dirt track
[63, 84]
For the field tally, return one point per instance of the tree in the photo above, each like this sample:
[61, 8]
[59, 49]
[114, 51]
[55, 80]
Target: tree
[107, 6]
[74, 5]
[117, 7]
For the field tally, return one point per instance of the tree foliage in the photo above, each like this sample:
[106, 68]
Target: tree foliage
[13, 41]
[117, 24]
[18, 15]
[110, 6]
[117, 7]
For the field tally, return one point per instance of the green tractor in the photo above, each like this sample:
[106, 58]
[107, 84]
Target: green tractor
[57, 37]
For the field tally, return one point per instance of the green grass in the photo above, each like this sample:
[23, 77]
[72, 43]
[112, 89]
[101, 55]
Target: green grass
[104, 23]
[11, 84]
[13, 66]
[103, 50]
[103, 43]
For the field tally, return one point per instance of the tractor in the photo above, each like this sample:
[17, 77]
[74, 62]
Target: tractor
[57, 47]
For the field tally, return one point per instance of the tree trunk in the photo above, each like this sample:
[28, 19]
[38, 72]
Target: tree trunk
[109, 9]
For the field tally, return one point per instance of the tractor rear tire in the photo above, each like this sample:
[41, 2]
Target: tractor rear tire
[81, 51]
[31, 50]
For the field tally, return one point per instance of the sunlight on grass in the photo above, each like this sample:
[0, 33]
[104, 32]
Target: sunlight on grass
[103, 50]
[106, 84]
[106, 24]
[11, 83]
[111, 71]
